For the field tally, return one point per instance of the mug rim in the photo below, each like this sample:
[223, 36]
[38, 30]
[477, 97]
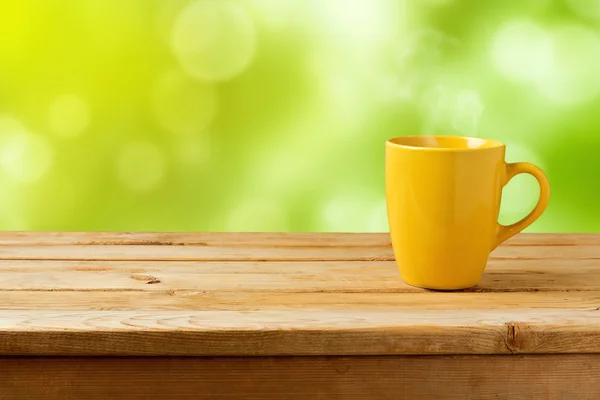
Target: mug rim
[490, 143]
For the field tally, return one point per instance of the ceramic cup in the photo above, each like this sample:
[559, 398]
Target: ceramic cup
[443, 198]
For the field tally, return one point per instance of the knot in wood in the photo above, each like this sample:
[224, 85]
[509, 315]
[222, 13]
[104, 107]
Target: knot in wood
[148, 279]
[514, 337]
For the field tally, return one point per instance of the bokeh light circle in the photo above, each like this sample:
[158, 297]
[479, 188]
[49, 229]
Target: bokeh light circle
[560, 63]
[141, 166]
[521, 51]
[25, 157]
[214, 40]
[353, 27]
[572, 73]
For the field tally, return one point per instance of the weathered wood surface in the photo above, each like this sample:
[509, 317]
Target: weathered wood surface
[225, 294]
[543, 377]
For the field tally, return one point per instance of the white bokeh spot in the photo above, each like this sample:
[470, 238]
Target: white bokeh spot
[560, 63]
[214, 40]
[357, 25]
[572, 74]
[522, 51]
[25, 157]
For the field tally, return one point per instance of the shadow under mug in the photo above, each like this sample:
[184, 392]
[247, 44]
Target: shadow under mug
[443, 197]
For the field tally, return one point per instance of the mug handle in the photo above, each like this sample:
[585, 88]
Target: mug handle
[512, 169]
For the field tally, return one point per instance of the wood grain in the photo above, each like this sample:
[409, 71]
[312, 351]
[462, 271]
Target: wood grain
[279, 253]
[199, 253]
[299, 332]
[525, 266]
[393, 377]
[181, 300]
[281, 247]
[282, 277]
[297, 239]
[201, 294]
[263, 239]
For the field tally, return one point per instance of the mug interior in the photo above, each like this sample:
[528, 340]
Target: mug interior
[445, 142]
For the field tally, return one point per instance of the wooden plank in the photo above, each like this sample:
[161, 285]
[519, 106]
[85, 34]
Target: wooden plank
[390, 282]
[294, 277]
[167, 280]
[262, 239]
[398, 377]
[205, 253]
[299, 332]
[526, 266]
[222, 298]
[259, 247]
[554, 239]
[180, 300]
[210, 267]
[298, 239]
[249, 253]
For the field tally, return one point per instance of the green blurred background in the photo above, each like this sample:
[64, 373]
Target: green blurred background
[271, 115]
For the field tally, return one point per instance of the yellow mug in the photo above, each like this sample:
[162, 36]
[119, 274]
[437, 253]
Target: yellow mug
[443, 198]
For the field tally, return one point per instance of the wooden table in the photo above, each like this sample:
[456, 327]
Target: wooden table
[290, 316]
